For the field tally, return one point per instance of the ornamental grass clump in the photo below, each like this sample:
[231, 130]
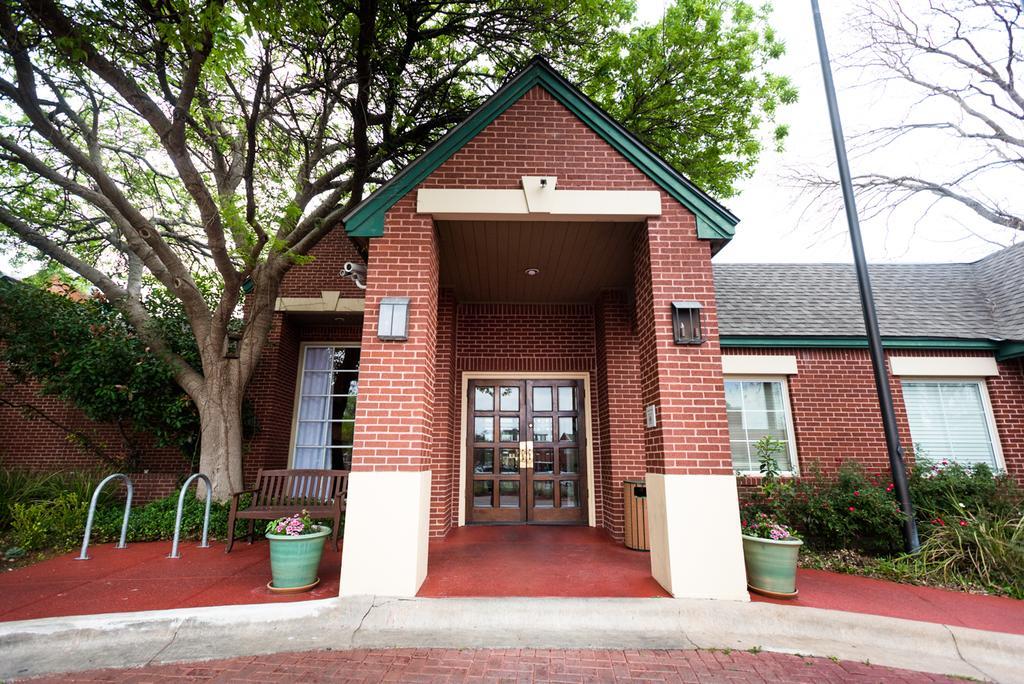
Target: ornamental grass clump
[972, 529]
[983, 550]
[293, 525]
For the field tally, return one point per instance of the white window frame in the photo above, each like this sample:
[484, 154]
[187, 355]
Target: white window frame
[296, 400]
[790, 431]
[986, 405]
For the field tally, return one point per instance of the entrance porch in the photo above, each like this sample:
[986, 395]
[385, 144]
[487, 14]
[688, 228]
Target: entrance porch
[537, 561]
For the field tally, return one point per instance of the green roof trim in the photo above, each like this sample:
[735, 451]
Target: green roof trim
[858, 342]
[1010, 350]
[714, 222]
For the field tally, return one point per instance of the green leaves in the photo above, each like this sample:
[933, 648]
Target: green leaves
[86, 353]
[696, 87]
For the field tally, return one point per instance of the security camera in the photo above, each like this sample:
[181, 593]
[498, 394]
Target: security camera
[351, 268]
[357, 272]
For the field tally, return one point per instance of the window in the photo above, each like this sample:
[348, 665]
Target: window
[951, 420]
[327, 407]
[757, 407]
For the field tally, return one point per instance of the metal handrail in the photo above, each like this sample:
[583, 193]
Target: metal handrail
[92, 513]
[177, 519]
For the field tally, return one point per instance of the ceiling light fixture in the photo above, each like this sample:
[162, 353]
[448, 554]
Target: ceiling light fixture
[532, 271]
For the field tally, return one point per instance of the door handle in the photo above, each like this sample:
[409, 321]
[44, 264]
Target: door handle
[529, 454]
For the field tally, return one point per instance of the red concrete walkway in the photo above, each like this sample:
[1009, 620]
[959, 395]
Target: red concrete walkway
[514, 665]
[535, 560]
[470, 561]
[855, 594]
[140, 577]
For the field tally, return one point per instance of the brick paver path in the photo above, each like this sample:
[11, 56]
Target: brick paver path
[426, 665]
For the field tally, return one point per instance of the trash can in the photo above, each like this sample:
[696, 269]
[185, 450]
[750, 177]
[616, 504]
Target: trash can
[634, 494]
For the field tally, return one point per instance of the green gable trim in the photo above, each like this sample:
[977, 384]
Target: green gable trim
[826, 342]
[714, 222]
[1010, 350]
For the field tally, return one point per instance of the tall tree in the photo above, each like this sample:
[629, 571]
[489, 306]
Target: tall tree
[961, 61]
[186, 141]
[697, 87]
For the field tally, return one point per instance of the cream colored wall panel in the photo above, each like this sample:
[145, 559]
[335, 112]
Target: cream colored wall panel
[694, 527]
[759, 365]
[387, 522]
[944, 366]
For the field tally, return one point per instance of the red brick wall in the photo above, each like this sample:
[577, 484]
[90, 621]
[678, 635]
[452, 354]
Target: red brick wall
[31, 442]
[538, 136]
[396, 379]
[329, 256]
[620, 414]
[1007, 395]
[683, 382]
[836, 416]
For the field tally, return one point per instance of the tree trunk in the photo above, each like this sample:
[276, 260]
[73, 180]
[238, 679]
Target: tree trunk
[220, 421]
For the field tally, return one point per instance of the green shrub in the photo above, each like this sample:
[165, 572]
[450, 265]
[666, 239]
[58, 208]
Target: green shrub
[57, 524]
[934, 487]
[852, 510]
[27, 487]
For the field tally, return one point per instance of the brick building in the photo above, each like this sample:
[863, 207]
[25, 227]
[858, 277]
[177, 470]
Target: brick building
[539, 319]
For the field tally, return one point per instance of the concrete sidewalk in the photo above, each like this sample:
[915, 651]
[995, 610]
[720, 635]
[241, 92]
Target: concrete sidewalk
[134, 639]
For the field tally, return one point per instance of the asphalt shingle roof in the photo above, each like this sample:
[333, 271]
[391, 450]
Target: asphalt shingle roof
[980, 300]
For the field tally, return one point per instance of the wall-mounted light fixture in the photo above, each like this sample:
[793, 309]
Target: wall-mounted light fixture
[393, 322]
[686, 327]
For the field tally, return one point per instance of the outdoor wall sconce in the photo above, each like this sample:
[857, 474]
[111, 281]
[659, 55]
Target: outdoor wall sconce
[686, 323]
[393, 322]
[232, 342]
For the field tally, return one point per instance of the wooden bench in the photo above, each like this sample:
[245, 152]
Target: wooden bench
[279, 493]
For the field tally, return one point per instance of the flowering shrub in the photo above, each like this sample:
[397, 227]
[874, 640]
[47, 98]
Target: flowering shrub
[763, 526]
[948, 490]
[853, 510]
[292, 525]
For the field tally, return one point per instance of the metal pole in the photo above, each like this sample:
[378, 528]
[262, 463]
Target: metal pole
[892, 438]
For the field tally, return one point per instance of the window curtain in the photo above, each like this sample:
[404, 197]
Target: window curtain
[314, 409]
[948, 421]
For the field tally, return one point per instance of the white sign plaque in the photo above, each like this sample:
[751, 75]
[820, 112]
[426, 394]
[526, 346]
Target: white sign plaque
[651, 416]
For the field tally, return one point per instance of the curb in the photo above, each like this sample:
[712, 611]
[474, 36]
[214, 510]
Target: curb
[35, 647]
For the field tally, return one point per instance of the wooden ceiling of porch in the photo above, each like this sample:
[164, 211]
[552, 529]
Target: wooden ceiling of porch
[485, 261]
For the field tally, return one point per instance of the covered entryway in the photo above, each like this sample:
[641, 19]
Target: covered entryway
[539, 243]
[526, 451]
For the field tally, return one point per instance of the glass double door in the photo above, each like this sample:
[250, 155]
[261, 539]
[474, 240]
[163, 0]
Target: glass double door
[526, 452]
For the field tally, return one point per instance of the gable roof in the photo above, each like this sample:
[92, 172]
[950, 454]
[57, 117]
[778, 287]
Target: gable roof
[714, 221]
[975, 304]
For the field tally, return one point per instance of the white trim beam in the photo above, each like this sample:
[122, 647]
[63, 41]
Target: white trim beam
[944, 366]
[328, 301]
[537, 203]
[759, 365]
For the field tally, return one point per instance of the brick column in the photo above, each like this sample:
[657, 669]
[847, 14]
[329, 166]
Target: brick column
[620, 411]
[445, 467]
[388, 510]
[693, 508]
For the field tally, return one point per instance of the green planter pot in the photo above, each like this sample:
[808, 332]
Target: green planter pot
[771, 565]
[294, 560]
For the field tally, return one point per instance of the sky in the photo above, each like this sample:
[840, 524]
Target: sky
[777, 222]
